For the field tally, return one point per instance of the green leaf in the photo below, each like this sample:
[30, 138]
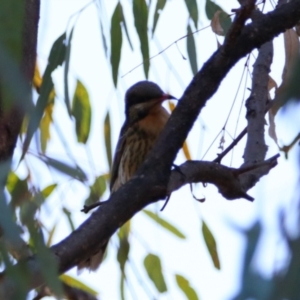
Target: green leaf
[193, 10]
[211, 8]
[81, 110]
[191, 49]
[69, 217]
[140, 13]
[225, 21]
[153, 267]
[56, 58]
[164, 224]
[107, 136]
[186, 288]
[103, 38]
[124, 246]
[62, 167]
[116, 41]
[126, 30]
[18, 190]
[10, 230]
[47, 261]
[97, 189]
[47, 191]
[211, 245]
[66, 71]
[73, 282]
[50, 237]
[46, 122]
[160, 4]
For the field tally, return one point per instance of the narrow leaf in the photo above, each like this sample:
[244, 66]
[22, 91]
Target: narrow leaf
[66, 72]
[124, 246]
[211, 8]
[158, 9]
[140, 13]
[69, 217]
[107, 136]
[56, 58]
[18, 190]
[47, 191]
[81, 110]
[73, 282]
[185, 147]
[184, 285]
[97, 189]
[193, 10]
[116, 41]
[103, 38]
[46, 123]
[126, 30]
[153, 267]
[62, 167]
[191, 49]
[50, 237]
[211, 245]
[166, 225]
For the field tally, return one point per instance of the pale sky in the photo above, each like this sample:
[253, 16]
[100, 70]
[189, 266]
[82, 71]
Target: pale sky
[226, 219]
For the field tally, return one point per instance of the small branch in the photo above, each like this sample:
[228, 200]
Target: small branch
[227, 180]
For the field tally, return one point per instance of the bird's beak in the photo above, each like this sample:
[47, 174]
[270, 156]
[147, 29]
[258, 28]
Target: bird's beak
[167, 96]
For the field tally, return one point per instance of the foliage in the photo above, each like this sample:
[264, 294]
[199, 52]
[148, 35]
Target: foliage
[24, 219]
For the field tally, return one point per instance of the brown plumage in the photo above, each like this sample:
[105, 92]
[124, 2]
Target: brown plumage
[145, 119]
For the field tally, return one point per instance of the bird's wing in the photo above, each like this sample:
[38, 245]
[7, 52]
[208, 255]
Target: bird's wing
[118, 155]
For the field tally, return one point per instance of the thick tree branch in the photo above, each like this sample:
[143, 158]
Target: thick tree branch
[151, 181]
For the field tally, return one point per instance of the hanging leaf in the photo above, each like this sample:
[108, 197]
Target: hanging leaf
[220, 23]
[185, 147]
[124, 245]
[211, 8]
[193, 10]
[160, 4]
[66, 71]
[74, 172]
[126, 30]
[18, 190]
[289, 87]
[56, 58]
[107, 136]
[166, 225]
[103, 38]
[97, 189]
[46, 122]
[116, 41]
[81, 110]
[153, 267]
[211, 245]
[69, 217]
[191, 49]
[184, 285]
[47, 191]
[47, 262]
[73, 282]
[50, 237]
[140, 13]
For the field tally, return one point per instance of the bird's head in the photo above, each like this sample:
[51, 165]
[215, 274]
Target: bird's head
[141, 98]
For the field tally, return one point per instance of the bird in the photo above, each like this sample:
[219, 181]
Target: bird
[145, 118]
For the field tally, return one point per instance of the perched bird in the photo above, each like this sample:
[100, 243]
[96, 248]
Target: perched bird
[145, 119]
